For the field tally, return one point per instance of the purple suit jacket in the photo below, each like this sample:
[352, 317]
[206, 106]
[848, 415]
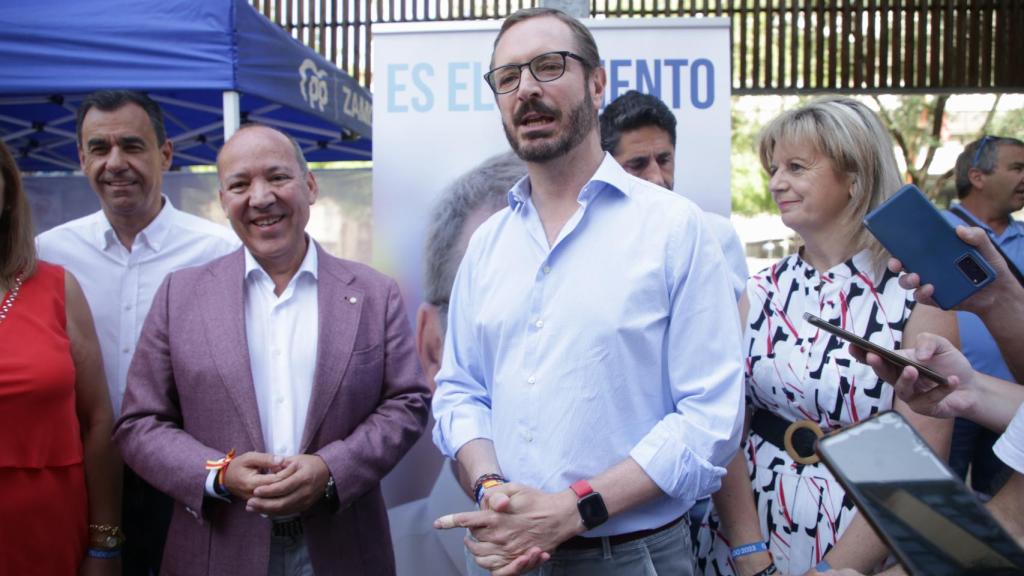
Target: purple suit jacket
[190, 399]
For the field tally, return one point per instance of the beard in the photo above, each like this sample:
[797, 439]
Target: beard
[582, 119]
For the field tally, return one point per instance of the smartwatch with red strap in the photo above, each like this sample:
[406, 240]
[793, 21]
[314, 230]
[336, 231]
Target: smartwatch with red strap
[590, 504]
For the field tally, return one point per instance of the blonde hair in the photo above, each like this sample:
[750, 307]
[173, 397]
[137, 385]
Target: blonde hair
[860, 148]
[17, 247]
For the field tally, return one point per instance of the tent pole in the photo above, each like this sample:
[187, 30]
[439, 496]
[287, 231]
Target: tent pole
[232, 113]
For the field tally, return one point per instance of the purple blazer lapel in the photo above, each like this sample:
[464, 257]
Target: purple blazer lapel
[340, 306]
[224, 323]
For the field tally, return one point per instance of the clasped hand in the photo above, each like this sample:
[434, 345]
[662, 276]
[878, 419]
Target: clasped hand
[277, 486]
[517, 527]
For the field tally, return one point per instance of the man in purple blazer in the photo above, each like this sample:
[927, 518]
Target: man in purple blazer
[273, 388]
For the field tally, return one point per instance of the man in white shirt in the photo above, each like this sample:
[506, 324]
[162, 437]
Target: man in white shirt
[639, 130]
[290, 373]
[120, 255]
[591, 386]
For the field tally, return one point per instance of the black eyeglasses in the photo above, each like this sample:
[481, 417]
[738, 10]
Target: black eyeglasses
[981, 148]
[545, 68]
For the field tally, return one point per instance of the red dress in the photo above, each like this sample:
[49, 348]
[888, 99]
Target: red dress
[43, 504]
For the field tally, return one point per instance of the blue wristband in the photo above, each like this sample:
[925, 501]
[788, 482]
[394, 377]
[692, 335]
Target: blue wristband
[746, 549]
[823, 566]
[104, 554]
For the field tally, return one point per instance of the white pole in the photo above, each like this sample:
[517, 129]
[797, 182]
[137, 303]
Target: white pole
[232, 113]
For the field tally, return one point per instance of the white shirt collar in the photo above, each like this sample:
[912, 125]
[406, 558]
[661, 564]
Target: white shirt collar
[153, 235]
[309, 263]
[609, 172]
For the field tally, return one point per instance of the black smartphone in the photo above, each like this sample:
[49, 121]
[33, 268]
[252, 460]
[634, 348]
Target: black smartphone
[886, 354]
[913, 230]
[929, 518]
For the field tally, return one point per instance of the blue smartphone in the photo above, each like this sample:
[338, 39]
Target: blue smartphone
[913, 230]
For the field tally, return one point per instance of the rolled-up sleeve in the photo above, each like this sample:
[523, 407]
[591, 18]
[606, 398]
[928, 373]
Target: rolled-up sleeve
[685, 453]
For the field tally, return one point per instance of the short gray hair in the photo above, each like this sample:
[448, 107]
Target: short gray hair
[300, 157]
[485, 186]
[985, 161]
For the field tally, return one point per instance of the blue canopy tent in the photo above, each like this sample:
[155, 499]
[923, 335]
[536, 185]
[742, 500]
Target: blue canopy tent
[210, 64]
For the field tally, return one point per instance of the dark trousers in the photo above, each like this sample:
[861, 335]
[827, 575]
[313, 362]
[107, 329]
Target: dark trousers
[972, 447]
[145, 517]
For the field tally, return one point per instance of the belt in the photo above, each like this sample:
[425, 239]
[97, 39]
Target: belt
[585, 543]
[290, 528]
[798, 438]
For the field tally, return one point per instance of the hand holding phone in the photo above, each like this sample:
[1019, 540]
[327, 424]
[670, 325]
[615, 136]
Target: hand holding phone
[887, 355]
[923, 395]
[911, 229]
[1004, 287]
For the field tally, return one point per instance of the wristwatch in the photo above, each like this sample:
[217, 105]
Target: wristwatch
[331, 494]
[590, 504]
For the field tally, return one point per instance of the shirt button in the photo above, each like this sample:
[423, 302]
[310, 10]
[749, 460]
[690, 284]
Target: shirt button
[277, 352]
[280, 400]
[127, 306]
[527, 436]
[531, 380]
[126, 349]
[539, 323]
[280, 450]
[547, 269]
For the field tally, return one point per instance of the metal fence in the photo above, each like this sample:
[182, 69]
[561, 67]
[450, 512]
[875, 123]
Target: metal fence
[779, 46]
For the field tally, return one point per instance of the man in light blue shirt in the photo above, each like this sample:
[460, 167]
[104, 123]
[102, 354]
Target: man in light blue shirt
[990, 184]
[591, 383]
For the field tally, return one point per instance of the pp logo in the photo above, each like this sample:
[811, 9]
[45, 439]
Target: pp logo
[312, 84]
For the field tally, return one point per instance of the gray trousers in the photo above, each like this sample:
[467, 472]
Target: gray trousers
[667, 553]
[289, 556]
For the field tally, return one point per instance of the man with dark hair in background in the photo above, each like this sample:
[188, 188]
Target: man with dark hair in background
[120, 255]
[990, 185]
[462, 207]
[639, 130]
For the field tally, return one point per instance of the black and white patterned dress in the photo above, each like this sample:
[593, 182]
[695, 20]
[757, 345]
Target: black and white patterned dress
[799, 372]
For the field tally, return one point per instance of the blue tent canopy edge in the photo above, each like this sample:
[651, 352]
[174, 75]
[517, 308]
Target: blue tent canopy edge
[185, 54]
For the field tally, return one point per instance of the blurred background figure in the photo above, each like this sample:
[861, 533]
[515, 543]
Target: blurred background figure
[60, 475]
[470, 200]
[830, 162]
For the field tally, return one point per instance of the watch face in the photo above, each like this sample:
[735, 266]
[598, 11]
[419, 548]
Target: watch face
[592, 510]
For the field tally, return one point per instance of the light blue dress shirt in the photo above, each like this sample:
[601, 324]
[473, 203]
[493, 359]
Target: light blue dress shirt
[620, 340]
[976, 342]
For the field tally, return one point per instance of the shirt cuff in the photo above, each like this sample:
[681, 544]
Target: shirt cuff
[676, 469]
[453, 432]
[1012, 456]
[211, 490]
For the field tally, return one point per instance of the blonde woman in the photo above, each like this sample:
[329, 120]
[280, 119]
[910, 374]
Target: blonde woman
[779, 511]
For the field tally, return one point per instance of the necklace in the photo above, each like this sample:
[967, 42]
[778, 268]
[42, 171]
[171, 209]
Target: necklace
[8, 302]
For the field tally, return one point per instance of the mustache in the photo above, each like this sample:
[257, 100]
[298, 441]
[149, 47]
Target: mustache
[536, 107]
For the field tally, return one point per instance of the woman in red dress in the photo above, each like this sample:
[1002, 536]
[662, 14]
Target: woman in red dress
[60, 475]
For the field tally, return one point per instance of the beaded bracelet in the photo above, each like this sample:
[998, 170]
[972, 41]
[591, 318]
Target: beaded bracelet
[484, 482]
[747, 549]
